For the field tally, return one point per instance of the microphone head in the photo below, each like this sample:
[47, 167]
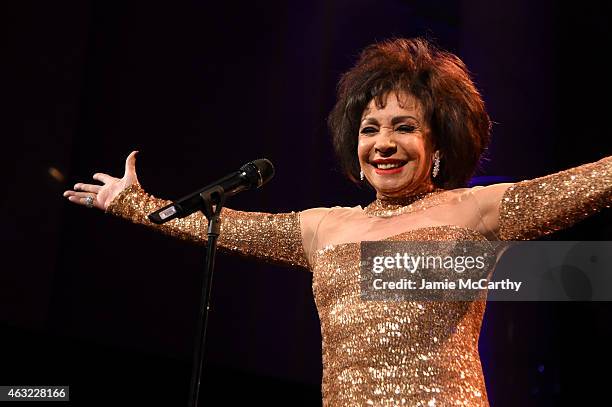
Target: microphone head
[258, 172]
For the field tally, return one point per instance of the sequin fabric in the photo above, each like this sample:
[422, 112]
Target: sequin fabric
[391, 353]
[273, 238]
[533, 208]
[395, 353]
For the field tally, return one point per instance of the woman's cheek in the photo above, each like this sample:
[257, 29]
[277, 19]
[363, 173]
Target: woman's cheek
[362, 149]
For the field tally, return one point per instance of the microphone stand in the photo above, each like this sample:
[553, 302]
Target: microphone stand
[214, 228]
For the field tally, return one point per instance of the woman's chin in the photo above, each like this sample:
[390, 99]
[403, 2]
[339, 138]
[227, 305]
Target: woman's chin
[391, 187]
[396, 190]
[391, 190]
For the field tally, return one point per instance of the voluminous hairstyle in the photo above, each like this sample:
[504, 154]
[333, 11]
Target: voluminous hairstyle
[452, 105]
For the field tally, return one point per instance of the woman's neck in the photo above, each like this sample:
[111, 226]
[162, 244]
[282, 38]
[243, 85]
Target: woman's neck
[406, 195]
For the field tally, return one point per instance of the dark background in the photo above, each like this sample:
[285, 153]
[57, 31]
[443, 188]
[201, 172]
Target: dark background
[200, 88]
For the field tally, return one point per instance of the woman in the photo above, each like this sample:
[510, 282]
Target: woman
[409, 123]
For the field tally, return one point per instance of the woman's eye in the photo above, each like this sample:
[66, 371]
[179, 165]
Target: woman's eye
[368, 130]
[406, 128]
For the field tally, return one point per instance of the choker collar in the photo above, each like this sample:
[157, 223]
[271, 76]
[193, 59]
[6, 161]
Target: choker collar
[388, 207]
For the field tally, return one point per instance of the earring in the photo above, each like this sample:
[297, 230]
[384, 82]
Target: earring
[361, 175]
[436, 167]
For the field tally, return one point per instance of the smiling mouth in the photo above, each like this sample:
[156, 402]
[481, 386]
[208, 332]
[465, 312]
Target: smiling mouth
[391, 167]
[388, 166]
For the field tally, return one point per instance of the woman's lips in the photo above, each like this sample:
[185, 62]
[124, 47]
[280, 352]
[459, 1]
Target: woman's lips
[389, 171]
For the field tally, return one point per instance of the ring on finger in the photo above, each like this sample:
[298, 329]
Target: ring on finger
[89, 201]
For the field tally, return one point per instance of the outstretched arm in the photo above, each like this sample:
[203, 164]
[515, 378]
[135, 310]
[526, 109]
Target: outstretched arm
[533, 208]
[274, 238]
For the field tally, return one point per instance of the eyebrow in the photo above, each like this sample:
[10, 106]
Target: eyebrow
[394, 120]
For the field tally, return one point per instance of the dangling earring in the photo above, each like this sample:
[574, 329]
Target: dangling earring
[361, 175]
[436, 167]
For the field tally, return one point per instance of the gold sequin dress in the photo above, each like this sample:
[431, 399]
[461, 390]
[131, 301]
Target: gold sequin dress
[384, 353]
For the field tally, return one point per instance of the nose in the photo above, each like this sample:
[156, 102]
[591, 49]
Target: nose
[385, 142]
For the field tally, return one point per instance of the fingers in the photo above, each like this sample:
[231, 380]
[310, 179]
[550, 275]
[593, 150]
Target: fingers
[87, 187]
[80, 198]
[88, 190]
[69, 194]
[103, 178]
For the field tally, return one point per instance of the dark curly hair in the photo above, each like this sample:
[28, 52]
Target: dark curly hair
[452, 106]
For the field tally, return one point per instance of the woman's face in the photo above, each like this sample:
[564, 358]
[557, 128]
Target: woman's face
[394, 148]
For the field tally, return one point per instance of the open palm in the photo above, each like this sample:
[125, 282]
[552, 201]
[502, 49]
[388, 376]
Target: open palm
[102, 195]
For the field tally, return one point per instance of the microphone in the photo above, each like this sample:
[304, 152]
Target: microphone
[251, 175]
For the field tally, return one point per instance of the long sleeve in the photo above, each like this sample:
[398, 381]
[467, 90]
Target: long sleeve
[274, 238]
[533, 208]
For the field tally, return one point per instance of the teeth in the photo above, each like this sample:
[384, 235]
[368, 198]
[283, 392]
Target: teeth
[387, 166]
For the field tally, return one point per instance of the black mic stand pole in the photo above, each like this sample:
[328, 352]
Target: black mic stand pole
[214, 228]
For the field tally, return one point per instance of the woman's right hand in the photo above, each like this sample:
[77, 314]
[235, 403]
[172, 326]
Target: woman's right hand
[102, 195]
